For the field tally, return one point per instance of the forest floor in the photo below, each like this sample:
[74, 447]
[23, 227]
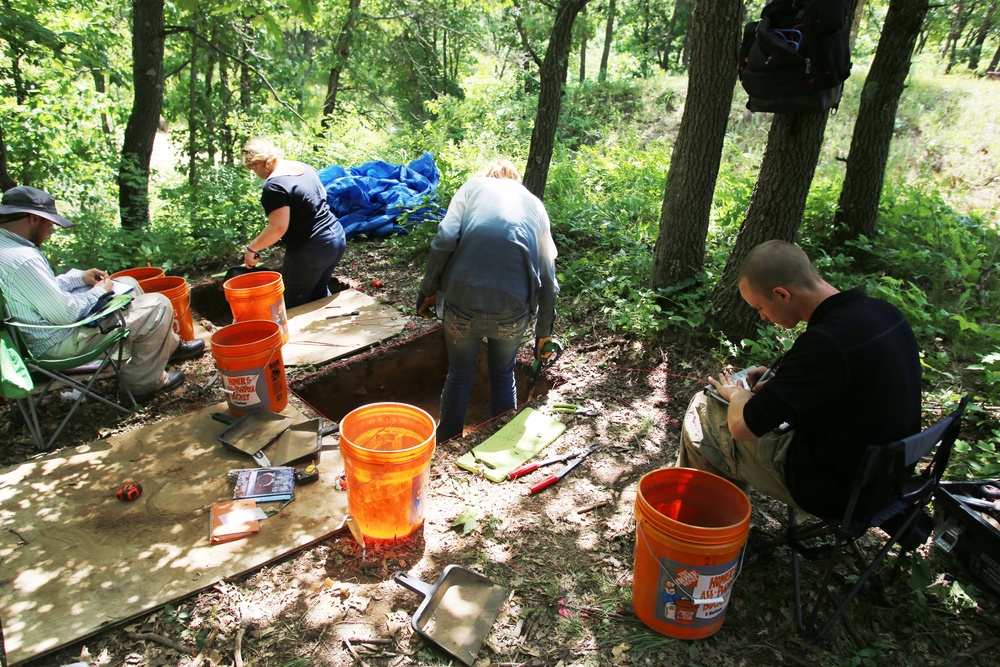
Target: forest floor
[566, 554]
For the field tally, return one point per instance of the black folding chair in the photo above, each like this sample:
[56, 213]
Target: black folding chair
[897, 490]
[52, 373]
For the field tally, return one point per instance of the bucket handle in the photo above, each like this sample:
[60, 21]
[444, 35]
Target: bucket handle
[678, 587]
[253, 300]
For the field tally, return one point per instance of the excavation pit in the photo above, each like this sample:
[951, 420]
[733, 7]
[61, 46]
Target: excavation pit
[412, 371]
[208, 299]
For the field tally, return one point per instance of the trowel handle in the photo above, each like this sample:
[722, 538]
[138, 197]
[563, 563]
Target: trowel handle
[407, 580]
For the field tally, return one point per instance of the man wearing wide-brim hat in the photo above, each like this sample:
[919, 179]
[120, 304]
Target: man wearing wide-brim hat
[35, 295]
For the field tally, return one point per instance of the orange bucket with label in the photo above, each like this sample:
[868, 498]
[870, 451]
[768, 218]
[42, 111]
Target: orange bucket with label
[387, 450]
[258, 295]
[176, 289]
[691, 529]
[248, 356]
[139, 273]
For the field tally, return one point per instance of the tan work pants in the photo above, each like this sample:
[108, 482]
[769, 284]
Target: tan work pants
[707, 444]
[150, 342]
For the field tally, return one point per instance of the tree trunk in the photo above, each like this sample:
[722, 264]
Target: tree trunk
[857, 210]
[147, 103]
[995, 62]
[193, 114]
[984, 30]
[714, 34]
[341, 52]
[209, 135]
[6, 181]
[775, 210]
[552, 77]
[583, 46]
[609, 31]
[957, 28]
[668, 39]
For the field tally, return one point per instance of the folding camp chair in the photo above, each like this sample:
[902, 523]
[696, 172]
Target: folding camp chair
[50, 373]
[897, 491]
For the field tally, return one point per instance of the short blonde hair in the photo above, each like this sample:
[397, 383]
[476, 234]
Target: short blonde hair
[503, 169]
[261, 151]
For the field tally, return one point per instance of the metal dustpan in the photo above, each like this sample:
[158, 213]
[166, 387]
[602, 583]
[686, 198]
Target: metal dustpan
[458, 611]
[252, 432]
[300, 442]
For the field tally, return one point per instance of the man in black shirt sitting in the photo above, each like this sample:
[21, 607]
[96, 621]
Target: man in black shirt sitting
[850, 380]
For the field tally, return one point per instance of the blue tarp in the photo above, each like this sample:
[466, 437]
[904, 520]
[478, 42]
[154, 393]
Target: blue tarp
[371, 198]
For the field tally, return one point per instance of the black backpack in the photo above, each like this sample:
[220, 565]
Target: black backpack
[796, 57]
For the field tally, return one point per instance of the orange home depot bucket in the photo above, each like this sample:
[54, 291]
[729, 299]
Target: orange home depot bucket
[248, 356]
[387, 450]
[176, 289]
[258, 295]
[140, 273]
[691, 527]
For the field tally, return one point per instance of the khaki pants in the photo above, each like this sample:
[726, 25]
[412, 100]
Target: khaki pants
[707, 444]
[151, 341]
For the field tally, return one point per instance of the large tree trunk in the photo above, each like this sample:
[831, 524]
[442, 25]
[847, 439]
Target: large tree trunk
[341, 52]
[193, 115]
[609, 31]
[137, 148]
[776, 207]
[583, 46]
[714, 35]
[552, 77]
[857, 210]
[775, 210]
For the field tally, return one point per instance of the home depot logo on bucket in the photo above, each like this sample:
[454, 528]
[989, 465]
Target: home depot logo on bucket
[680, 586]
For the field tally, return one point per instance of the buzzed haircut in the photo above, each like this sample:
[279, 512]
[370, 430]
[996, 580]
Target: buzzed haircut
[778, 263]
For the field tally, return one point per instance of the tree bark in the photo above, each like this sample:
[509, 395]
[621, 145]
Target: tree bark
[984, 30]
[609, 31]
[341, 52]
[6, 180]
[714, 34]
[147, 103]
[552, 77]
[995, 62]
[857, 210]
[193, 114]
[775, 211]
[583, 47]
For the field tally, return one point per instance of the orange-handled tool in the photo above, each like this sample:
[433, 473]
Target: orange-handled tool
[552, 479]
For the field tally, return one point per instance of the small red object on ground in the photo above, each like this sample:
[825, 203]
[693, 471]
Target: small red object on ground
[377, 283]
[130, 491]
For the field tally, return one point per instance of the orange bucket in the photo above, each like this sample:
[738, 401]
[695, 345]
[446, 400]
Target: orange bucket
[176, 289]
[387, 450]
[258, 295]
[248, 356]
[691, 528]
[140, 273]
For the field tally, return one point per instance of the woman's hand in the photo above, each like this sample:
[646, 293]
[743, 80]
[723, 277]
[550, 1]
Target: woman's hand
[251, 258]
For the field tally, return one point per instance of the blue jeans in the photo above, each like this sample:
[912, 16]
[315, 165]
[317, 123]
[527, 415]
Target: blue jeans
[464, 331]
[307, 269]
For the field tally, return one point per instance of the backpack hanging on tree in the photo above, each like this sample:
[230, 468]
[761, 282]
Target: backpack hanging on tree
[796, 57]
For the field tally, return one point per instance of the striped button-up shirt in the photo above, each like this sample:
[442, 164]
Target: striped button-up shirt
[35, 295]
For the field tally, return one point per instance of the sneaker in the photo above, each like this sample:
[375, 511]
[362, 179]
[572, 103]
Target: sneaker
[188, 349]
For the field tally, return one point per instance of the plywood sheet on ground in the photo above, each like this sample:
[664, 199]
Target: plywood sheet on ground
[73, 558]
[313, 339]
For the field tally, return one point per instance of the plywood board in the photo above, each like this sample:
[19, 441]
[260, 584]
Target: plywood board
[313, 339]
[74, 558]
